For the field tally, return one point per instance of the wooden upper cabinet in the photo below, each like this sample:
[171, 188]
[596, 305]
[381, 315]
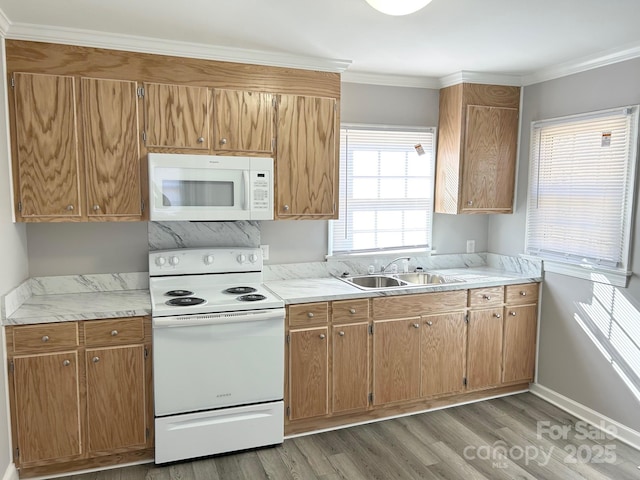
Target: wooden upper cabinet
[243, 121]
[176, 116]
[477, 146]
[306, 166]
[46, 163]
[112, 155]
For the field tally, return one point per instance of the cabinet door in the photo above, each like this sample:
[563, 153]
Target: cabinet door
[350, 367]
[112, 156]
[46, 147]
[519, 343]
[243, 121]
[177, 116]
[308, 373]
[116, 414]
[489, 158]
[306, 168]
[484, 353]
[396, 360]
[47, 416]
[443, 352]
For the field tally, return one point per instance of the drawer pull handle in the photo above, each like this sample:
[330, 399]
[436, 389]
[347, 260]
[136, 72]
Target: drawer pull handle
[524, 294]
[66, 363]
[322, 336]
[45, 338]
[95, 359]
[352, 311]
[513, 314]
[416, 325]
[429, 323]
[487, 297]
[341, 333]
[310, 314]
[114, 333]
[497, 315]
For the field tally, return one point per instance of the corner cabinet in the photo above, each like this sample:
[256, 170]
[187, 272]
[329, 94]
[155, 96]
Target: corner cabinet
[76, 155]
[477, 146]
[306, 162]
[80, 394]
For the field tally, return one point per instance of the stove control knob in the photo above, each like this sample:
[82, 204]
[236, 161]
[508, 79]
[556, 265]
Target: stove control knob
[208, 259]
[242, 258]
[160, 261]
[253, 258]
[174, 260]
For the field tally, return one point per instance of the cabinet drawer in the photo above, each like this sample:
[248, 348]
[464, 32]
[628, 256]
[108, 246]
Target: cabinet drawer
[420, 304]
[524, 294]
[308, 314]
[43, 337]
[486, 297]
[347, 311]
[114, 332]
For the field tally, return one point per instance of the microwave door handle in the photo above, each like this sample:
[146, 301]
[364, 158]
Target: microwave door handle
[245, 179]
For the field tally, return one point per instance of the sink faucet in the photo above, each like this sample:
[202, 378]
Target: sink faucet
[384, 269]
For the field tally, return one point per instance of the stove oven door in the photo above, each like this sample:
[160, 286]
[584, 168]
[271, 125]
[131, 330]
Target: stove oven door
[203, 362]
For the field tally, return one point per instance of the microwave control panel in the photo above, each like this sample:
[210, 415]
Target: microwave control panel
[261, 196]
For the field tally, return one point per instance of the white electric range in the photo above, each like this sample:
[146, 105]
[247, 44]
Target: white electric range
[218, 353]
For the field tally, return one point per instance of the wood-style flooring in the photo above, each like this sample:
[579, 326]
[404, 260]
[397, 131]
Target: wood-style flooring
[537, 439]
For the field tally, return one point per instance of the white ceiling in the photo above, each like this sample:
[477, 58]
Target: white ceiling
[518, 38]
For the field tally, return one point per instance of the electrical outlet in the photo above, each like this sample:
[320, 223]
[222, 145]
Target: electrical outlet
[471, 246]
[265, 252]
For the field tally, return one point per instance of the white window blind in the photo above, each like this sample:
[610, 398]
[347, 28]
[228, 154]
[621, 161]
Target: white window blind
[581, 186]
[386, 190]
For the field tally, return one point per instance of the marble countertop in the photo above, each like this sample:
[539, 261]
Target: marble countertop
[305, 290]
[66, 307]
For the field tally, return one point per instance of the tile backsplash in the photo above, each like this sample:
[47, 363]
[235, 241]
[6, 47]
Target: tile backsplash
[168, 235]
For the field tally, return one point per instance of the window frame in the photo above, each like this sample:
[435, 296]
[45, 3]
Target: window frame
[331, 254]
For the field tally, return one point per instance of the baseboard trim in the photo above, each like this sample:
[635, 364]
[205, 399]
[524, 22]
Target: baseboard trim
[623, 433]
[11, 473]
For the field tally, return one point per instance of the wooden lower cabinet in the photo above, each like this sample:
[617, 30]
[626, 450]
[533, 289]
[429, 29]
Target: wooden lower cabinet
[80, 394]
[443, 353]
[520, 329]
[308, 373]
[484, 352]
[396, 369]
[350, 367]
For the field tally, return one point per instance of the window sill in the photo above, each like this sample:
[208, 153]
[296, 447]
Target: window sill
[383, 253]
[609, 276]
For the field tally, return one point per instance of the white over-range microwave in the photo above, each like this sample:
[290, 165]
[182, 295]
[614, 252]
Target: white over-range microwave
[210, 187]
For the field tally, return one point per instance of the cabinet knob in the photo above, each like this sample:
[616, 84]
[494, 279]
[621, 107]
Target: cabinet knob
[95, 359]
[285, 208]
[469, 203]
[223, 141]
[352, 311]
[70, 208]
[200, 140]
[114, 333]
[429, 323]
[416, 325]
[322, 336]
[487, 297]
[66, 363]
[310, 314]
[497, 315]
[523, 294]
[513, 314]
[96, 208]
[341, 333]
[45, 338]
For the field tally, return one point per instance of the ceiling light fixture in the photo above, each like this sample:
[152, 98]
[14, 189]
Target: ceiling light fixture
[398, 7]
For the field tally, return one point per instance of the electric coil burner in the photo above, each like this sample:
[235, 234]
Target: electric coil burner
[218, 353]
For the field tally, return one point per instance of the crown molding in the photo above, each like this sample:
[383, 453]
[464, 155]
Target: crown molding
[132, 43]
[390, 80]
[480, 77]
[5, 24]
[602, 59]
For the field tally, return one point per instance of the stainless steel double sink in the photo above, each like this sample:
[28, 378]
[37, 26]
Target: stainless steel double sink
[383, 281]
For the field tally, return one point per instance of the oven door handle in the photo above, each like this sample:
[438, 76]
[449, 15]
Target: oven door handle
[217, 319]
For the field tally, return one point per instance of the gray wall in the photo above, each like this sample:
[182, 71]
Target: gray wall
[13, 244]
[306, 241]
[569, 360]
